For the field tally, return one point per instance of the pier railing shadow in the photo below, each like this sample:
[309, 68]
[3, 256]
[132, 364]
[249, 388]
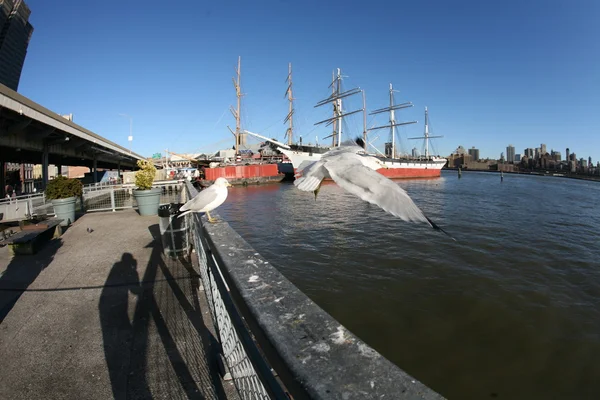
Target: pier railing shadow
[165, 349]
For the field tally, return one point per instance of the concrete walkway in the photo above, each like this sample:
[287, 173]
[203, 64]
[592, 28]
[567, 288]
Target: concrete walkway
[102, 314]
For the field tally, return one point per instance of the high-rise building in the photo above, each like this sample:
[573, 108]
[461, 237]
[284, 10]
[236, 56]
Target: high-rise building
[529, 152]
[517, 158]
[542, 149]
[15, 32]
[567, 155]
[510, 153]
[555, 155]
[474, 153]
[415, 152]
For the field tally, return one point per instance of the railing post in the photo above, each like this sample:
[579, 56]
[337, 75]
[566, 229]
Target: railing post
[112, 199]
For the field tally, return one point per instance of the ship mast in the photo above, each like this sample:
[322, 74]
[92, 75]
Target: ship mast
[290, 117]
[236, 112]
[338, 113]
[426, 135]
[391, 109]
[364, 120]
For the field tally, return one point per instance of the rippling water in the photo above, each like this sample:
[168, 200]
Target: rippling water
[511, 310]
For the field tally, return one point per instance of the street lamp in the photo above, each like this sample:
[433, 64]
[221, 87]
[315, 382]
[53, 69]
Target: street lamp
[130, 137]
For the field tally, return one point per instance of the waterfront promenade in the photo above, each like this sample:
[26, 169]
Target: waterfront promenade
[100, 313]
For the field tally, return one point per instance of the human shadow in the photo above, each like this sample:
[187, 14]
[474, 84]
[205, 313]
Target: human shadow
[170, 336]
[21, 272]
[117, 330]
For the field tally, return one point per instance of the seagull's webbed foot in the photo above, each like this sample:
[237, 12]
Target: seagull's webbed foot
[211, 219]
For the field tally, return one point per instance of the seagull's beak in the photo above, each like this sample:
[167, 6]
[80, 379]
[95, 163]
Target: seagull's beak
[229, 184]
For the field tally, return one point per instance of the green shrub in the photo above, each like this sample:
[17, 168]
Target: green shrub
[145, 175]
[62, 187]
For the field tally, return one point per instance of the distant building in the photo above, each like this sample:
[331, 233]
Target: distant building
[510, 153]
[15, 33]
[543, 149]
[460, 150]
[19, 176]
[573, 157]
[537, 153]
[529, 152]
[555, 155]
[517, 158]
[502, 157]
[474, 153]
[567, 155]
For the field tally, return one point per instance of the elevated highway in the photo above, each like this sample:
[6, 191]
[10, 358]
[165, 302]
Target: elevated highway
[30, 133]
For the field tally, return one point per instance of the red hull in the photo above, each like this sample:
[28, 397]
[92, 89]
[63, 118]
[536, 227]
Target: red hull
[396, 173]
[245, 174]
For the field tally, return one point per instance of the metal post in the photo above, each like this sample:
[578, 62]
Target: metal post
[95, 169]
[112, 199]
[45, 166]
[119, 172]
[2, 178]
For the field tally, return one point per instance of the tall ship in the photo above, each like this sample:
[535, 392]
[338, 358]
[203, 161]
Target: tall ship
[244, 171]
[397, 167]
[412, 166]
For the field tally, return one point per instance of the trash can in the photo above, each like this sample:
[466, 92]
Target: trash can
[173, 231]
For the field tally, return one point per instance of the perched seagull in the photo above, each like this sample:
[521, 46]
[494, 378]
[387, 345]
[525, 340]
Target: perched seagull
[355, 172]
[208, 199]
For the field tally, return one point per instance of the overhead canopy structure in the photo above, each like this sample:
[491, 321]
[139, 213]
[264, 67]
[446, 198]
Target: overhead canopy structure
[30, 133]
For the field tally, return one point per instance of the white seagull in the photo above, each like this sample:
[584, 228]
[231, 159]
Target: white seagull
[357, 174]
[207, 199]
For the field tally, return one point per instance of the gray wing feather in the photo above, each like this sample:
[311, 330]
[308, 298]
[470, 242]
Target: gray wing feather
[312, 176]
[201, 200]
[373, 187]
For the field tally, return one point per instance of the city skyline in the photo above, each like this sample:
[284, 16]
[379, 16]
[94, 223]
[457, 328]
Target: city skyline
[490, 74]
[522, 152]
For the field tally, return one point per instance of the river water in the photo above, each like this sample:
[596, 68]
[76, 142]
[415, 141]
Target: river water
[511, 310]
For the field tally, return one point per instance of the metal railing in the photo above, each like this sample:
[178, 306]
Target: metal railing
[112, 197]
[250, 373]
[20, 207]
[274, 339]
[95, 197]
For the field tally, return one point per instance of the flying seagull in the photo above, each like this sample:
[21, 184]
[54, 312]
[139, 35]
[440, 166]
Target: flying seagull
[355, 172]
[207, 199]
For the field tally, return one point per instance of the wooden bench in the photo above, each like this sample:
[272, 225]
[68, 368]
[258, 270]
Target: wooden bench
[33, 237]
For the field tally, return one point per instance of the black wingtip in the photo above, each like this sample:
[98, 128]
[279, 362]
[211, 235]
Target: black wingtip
[359, 141]
[437, 228]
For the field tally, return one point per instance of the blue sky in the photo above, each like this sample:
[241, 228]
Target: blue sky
[491, 73]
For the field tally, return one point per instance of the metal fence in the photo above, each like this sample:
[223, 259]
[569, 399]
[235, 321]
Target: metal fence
[107, 197]
[250, 372]
[95, 197]
[20, 207]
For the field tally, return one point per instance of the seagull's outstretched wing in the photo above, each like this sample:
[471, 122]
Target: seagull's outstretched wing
[201, 200]
[311, 176]
[349, 173]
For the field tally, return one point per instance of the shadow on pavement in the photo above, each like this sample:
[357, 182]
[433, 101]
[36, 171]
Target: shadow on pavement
[20, 273]
[166, 349]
